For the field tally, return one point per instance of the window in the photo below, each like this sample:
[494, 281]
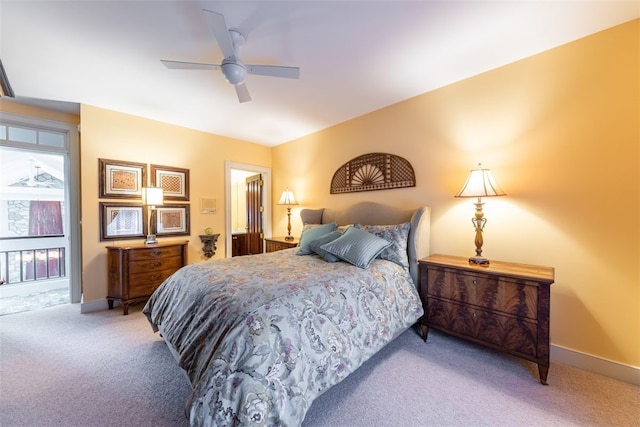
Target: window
[35, 136]
[32, 183]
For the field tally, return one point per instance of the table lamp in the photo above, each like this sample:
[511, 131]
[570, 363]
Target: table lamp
[480, 183]
[287, 199]
[151, 197]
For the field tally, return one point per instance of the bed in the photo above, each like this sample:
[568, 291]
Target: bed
[261, 336]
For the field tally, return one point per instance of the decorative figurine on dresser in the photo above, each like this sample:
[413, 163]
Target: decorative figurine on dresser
[501, 305]
[135, 271]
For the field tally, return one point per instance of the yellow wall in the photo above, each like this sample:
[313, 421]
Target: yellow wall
[560, 132]
[111, 135]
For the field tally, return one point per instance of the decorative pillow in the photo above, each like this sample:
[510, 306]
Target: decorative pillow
[398, 235]
[312, 233]
[343, 228]
[308, 227]
[329, 237]
[357, 247]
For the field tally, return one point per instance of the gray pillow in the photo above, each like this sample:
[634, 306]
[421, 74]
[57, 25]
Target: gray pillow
[398, 235]
[357, 247]
[311, 234]
[329, 237]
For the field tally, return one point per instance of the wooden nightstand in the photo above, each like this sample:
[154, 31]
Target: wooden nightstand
[503, 306]
[135, 271]
[273, 244]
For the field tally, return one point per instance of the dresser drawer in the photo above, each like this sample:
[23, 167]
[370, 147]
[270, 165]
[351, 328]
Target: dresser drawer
[517, 297]
[154, 253]
[144, 284]
[144, 265]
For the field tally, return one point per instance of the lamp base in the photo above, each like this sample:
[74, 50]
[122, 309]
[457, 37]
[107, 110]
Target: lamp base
[151, 239]
[478, 260]
[288, 238]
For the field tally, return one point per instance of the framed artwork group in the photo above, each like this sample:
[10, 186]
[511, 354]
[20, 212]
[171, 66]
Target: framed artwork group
[121, 220]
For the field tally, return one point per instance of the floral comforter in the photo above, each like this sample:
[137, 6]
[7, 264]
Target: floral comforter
[261, 336]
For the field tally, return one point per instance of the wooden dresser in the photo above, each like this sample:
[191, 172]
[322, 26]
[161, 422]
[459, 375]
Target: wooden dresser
[503, 306]
[135, 271]
[273, 244]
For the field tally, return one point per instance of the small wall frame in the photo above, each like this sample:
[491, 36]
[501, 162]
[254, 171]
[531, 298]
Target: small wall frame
[174, 182]
[121, 179]
[120, 221]
[172, 220]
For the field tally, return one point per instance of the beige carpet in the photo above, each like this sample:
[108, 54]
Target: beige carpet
[62, 368]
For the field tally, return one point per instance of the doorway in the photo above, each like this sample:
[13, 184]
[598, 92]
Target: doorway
[39, 227]
[236, 175]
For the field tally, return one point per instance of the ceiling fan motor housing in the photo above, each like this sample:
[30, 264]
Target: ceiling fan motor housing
[234, 71]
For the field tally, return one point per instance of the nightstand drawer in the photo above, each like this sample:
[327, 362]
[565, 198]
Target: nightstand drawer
[274, 244]
[518, 297]
[484, 326]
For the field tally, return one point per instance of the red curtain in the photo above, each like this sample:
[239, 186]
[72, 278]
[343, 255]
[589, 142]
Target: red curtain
[45, 218]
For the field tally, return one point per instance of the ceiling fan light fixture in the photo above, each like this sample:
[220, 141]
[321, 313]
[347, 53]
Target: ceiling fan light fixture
[234, 72]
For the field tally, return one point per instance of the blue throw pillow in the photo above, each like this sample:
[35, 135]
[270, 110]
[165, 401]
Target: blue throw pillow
[357, 247]
[329, 237]
[311, 234]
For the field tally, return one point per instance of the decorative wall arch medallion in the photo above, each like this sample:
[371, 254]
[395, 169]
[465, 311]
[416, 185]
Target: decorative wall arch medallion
[373, 171]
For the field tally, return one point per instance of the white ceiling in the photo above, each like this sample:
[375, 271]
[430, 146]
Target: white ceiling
[354, 56]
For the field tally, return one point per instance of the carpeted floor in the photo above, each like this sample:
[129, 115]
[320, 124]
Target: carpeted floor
[62, 368]
[34, 301]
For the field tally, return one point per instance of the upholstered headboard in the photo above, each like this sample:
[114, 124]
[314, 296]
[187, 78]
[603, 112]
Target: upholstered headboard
[371, 213]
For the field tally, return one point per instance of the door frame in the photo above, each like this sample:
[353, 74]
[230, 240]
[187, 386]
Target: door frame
[266, 218]
[72, 219]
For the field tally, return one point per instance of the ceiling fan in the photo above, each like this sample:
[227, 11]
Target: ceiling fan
[233, 69]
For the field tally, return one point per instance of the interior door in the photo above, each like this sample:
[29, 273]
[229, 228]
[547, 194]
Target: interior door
[254, 214]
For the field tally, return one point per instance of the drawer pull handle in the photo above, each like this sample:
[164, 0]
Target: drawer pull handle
[155, 253]
[475, 282]
[156, 263]
[156, 276]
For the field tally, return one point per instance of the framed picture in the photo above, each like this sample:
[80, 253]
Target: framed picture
[174, 182]
[172, 220]
[121, 221]
[119, 179]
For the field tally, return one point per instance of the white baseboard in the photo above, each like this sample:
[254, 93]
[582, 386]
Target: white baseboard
[619, 371]
[88, 307]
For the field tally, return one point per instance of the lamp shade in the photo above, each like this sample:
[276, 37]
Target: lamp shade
[480, 183]
[287, 198]
[152, 196]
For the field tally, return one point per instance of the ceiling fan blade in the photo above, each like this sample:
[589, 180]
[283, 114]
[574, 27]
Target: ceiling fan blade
[243, 93]
[188, 65]
[221, 32]
[274, 71]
